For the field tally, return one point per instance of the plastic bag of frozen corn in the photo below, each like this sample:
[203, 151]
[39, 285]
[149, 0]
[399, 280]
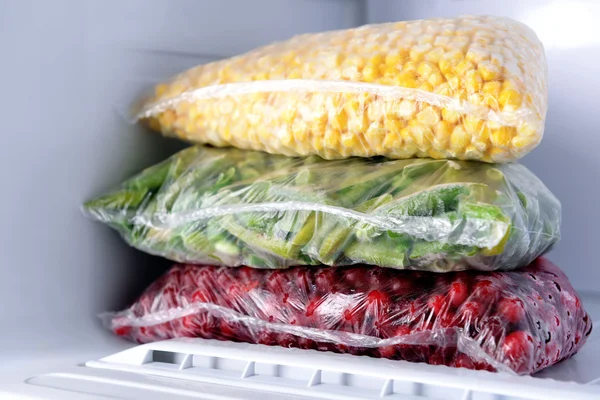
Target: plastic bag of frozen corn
[236, 207]
[471, 88]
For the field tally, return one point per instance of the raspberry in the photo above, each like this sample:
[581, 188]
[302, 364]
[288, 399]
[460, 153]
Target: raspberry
[437, 303]
[287, 340]
[276, 281]
[302, 280]
[378, 277]
[484, 288]
[402, 330]
[400, 286]
[354, 277]
[123, 330]
[266, 337]
[313, 305]
[518, 350]
[305, 343]
[458, 293]
[512, 309]
[326, 281]
[446, 319]
[388, 352]
[461, 360]
[471, 310]
[378, 301]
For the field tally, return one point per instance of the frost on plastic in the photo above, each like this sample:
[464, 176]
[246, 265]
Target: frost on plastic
[234, 207]
[520, 321]
[471, 88]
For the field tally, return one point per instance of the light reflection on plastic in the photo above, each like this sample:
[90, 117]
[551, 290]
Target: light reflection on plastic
[565, 24]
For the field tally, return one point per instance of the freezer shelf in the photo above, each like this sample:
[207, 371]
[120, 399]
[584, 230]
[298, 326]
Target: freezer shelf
[197, 368]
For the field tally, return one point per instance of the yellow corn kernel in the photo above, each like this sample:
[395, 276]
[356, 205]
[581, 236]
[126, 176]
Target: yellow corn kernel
[358, 123]
[454, 83]
[443, 89]
[442, 132]
[426, 86]
[463, 67]
[407, 79]
[473, 82]
[436, 154]
[153, 123]
[370, 73]
[422, 136]
[394, 59]
[520, 142]
[450, 116]
[393, 125]
[374, 136]
[502, 137]
[477, 54]
[492, 88]
[527, 131]
[476, 99]
[498, 155]
[481, 139]
[473, 153]
[160, 89]
[392, 140]
[435, 55]
[435, 79]
[331, 139]
[167, 118]
[450, 60]
[410, 66]
[509, 99]
[350, 140]
[472, 124]
[508, 84]
[376, 60]
[460, 139]
[407, 108]
[406, 135]
[261, 76]
[489, 71]
[339, 120]
[428, 116]
[426, 68]
[417, 53]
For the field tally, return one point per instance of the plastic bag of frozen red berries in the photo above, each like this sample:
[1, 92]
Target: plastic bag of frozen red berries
[519, 321]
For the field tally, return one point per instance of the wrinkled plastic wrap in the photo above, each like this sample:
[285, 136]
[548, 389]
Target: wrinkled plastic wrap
[470, 88]
[520, 321]
[235, 207]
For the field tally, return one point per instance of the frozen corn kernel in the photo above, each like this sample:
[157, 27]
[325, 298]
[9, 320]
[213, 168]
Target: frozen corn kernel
[470, 87]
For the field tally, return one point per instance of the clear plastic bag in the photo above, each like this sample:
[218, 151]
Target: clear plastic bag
[518, 321]
[235, 207]
[470, 88]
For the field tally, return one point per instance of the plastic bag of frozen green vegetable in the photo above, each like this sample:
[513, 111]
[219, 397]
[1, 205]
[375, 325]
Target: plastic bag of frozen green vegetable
[235, 207]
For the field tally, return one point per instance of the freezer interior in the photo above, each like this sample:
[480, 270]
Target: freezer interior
[72, 69]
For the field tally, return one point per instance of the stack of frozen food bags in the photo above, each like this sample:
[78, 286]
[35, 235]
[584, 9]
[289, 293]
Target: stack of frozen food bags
[370, 204]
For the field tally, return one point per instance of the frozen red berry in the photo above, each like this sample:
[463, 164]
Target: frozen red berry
[123, 330]
[437, 303]
[512, 309]
[458, 293]
[470, 312]
[518, 350]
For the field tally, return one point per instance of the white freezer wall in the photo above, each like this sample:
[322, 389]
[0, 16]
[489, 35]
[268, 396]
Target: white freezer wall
[568, 159]
[68, 70]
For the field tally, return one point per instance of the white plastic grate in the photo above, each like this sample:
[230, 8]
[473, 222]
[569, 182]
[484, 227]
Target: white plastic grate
[319, 375]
